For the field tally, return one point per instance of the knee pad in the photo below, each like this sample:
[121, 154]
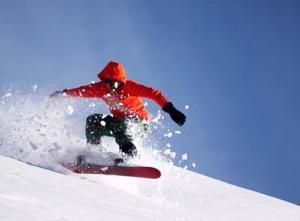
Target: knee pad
[93, 129]
[94, 119]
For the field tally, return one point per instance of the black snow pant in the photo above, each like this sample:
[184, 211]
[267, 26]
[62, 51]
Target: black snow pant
[97, 126]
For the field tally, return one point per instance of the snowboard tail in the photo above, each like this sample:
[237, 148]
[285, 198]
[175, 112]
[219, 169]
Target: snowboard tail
[133, 171]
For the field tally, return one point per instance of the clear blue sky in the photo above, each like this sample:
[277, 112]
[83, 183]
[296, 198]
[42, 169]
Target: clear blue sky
[236, 63]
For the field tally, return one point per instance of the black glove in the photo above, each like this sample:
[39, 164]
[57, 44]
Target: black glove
[175, 114]
[57, 93]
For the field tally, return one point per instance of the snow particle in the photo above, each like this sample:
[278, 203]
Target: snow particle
[187, 107]
[157, 118]
[173, 155]
[184, 156]
[167, 151]
[170, 153]
[34, 88]
[169, 134]
[70, 110]
[104, 168]
[7, 95]
[103, 123]
[193, 165]
[177, 132]
[116, 84]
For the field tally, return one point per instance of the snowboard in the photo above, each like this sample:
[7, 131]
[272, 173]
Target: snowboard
[132, 171]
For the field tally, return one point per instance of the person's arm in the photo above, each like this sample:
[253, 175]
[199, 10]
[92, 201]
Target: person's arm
[94, 90]
[140, 90]
[137, 89]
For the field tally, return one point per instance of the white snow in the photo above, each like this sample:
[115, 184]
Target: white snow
[34, 88]
[177, 132]
[168, 134]
[157, 118]
[30, 193]
[173, 154]
[168, 145]
[184, 156]
[70, 110]
[170, 153]
[92, 105]
[6, 96]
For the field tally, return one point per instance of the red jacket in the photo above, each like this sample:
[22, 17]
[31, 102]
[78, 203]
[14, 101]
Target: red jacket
[126, 100]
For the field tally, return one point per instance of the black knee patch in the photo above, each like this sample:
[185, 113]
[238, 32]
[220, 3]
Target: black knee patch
[94, 119]
[93, 129]
[128, 149]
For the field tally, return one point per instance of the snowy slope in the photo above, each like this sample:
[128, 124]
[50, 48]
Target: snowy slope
[30, 193]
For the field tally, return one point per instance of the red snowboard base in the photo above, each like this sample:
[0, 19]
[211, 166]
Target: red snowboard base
[134, 171]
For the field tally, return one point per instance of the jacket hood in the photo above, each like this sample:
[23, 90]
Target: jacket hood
[113, 71]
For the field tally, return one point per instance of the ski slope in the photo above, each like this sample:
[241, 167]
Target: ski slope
[31, 193]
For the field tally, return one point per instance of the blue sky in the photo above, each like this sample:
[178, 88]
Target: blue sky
[235, 63]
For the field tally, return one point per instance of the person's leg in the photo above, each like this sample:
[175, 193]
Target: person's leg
[125, 144]
[93, 129]
[135, 128]
[96, 127]
[118, 129]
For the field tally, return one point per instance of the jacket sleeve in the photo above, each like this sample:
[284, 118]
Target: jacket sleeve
[140, 90]
[94, 90]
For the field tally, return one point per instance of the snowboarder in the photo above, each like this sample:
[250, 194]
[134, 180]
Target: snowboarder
[123, 98]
